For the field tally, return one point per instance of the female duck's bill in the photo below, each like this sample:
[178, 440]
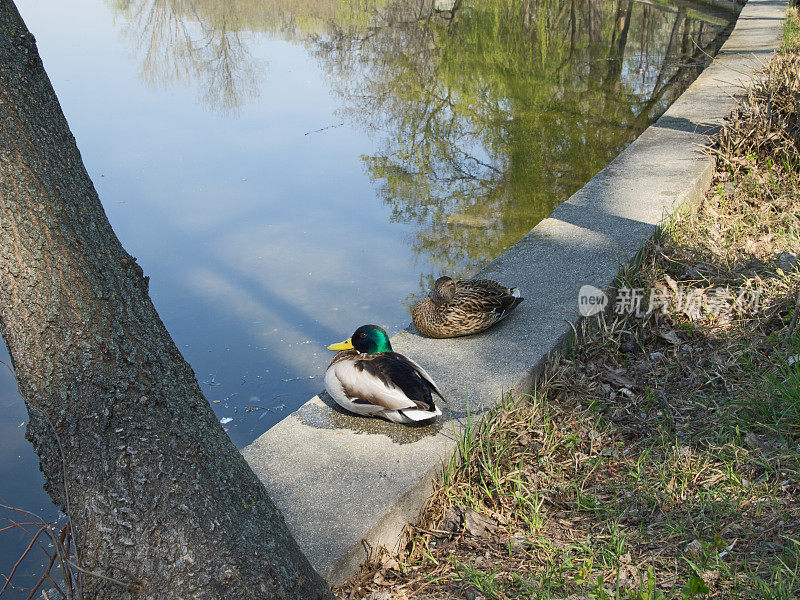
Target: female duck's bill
[368, 378]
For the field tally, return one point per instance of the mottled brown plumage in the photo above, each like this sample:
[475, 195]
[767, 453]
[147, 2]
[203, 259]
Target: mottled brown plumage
[456, 308]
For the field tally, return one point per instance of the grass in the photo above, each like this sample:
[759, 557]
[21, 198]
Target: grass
[791, 31]
[659, 458]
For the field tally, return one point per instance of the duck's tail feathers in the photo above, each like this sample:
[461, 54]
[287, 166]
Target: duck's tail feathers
[435, 390]
[421, 415]
[509, 304]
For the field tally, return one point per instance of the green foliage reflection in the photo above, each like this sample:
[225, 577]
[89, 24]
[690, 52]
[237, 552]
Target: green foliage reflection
[497, 112]
[489, 114]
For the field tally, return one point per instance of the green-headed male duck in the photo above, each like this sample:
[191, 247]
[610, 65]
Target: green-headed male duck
[368, 378]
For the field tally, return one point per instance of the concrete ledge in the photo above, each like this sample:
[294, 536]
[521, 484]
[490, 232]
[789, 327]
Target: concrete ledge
[341, 480]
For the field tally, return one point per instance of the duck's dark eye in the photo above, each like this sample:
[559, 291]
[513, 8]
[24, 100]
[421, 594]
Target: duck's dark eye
[362, 335]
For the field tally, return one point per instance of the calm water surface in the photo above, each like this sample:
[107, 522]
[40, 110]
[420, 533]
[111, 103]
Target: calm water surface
[286, 171]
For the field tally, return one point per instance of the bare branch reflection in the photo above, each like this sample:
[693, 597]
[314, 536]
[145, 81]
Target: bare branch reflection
[194, 42]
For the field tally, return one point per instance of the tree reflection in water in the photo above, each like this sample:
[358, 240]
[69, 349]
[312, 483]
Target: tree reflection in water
[194, 42]
[492, 116]
[487, 116]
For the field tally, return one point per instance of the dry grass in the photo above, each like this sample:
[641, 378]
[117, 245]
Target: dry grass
[659, 458]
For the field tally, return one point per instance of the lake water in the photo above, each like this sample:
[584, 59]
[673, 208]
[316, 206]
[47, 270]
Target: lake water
[286, 171]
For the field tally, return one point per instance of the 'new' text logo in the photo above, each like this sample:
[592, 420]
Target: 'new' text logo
[591, 300]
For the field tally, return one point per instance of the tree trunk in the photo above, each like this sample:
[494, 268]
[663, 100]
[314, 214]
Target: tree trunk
[619, 40]
[157, 494]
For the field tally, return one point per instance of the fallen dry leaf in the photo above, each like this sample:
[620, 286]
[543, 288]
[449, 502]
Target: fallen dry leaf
[671, 337]
[479, 525]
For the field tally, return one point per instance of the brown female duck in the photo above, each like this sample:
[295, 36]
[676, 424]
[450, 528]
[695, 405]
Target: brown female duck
[456, 308]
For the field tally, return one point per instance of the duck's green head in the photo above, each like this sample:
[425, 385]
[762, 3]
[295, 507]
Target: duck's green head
[367, 339]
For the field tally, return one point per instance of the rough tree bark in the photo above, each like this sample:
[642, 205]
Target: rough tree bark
[156, 492]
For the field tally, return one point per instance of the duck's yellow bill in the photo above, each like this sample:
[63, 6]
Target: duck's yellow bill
[345, 345]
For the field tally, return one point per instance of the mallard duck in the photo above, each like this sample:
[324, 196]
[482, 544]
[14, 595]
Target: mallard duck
[456, 308]
[368, 378]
